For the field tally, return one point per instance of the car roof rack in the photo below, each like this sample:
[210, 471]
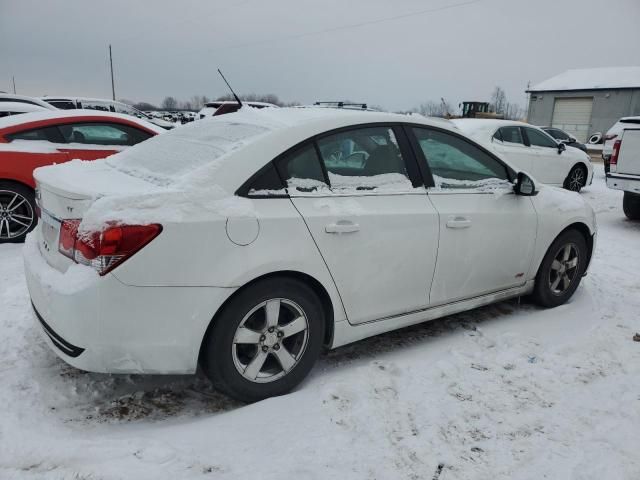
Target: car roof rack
[354, 106]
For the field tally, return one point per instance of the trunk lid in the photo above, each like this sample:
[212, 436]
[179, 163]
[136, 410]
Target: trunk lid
[67, 191]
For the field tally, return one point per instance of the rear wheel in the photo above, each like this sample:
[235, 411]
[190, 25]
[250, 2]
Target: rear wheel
[17, 212]
[561, 269]
[265, 341]
[576, 179]
[631, 205]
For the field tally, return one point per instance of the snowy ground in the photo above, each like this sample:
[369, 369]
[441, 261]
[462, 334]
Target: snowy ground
[503, 392]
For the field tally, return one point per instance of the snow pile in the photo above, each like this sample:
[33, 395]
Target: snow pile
[488, 185]
[384, 183]
[74, 279]
[592, 79]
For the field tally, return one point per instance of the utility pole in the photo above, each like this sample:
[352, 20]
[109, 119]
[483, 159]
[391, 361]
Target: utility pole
[14, 84]
[113, 88]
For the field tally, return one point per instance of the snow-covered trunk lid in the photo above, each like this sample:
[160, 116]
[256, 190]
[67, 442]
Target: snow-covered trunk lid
[629, 156]
[66, 192]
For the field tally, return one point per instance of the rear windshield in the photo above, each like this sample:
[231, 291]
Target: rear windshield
[630, 120]
[178, 152]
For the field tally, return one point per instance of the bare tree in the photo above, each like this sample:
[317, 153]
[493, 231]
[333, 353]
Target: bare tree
[498, 100]
[169, 103]
[435, 109]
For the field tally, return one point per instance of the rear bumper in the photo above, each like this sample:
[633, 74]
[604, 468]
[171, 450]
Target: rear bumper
[106, 326]
[619, 181]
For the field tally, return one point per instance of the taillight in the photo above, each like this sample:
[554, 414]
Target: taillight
[613, 161]
[610, 137]
[107, 249]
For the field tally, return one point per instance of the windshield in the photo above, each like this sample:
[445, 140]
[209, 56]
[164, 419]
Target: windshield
[178, 152]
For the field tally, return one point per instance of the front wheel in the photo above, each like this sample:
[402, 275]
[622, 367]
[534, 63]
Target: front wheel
[17, 212]
[265, 341]
[561, 269]
[631, 205]
[576, 179]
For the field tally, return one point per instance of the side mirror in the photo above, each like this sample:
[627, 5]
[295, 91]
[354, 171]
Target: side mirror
[561, 148]
[572, 140]
[525, 185]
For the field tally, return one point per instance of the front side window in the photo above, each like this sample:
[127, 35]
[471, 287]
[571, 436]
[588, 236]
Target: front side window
[557, 134]
[510, 135]
[540, 139]
[47, 134]
[102, 134]
[456, 163]
[364, 159]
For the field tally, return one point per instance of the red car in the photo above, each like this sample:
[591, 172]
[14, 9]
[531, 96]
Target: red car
[33, 140]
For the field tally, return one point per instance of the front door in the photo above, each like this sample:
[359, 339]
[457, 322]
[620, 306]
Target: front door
[487, 233]
[548, 165]
[370, 218]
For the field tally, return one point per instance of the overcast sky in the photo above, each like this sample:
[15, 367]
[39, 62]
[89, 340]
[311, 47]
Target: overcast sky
[393, 53]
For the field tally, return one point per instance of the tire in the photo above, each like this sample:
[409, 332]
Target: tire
[595, 138]
[576, 179]
[551, 291]
[17, 212]
[231, 365]
[631, 205]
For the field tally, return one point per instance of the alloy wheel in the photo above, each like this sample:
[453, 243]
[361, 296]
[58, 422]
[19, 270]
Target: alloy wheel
[564, 269]
[16, 215]
[576, 179]
[270, 340]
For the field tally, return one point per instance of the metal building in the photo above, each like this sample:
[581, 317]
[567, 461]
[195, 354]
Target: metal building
[586, 101]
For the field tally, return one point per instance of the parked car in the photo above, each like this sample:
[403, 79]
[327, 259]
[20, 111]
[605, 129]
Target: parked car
[16, 108]
[613, 134]
[104, 105]
[33, 140]
[249, 241]
[25, 100]
[564, 137]
[531, 149]
[624, 172]
[211, 109]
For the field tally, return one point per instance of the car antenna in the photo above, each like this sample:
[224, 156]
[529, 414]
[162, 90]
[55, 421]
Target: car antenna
[234, 93]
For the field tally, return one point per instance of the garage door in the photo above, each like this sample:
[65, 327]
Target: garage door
[573, 115]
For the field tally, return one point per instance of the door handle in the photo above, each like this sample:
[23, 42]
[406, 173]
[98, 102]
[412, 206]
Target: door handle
[458, 222]
[342, 227]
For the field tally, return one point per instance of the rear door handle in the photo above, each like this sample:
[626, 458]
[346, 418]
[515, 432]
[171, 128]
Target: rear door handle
[342, 227]
[458, 222]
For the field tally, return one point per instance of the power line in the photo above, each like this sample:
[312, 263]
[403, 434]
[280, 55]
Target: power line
[348, 26]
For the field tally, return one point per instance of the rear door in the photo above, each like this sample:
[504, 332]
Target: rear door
[360, 193]
[510, 143]
[487, 233]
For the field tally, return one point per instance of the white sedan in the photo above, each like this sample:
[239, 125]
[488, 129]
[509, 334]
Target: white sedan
[250, 241]
[533, 150]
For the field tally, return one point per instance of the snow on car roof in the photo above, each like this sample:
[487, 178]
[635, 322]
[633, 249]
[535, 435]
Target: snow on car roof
[252, 136]
[20, 107]
[11, 97]
[55, 114]
[477, 126]
[216, 103]
[591, 79]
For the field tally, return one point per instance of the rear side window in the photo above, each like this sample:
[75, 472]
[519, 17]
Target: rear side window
[301, 170]
[103, 134]
[456, 163]
[47, 134]
[511, 135]
[64, 104]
